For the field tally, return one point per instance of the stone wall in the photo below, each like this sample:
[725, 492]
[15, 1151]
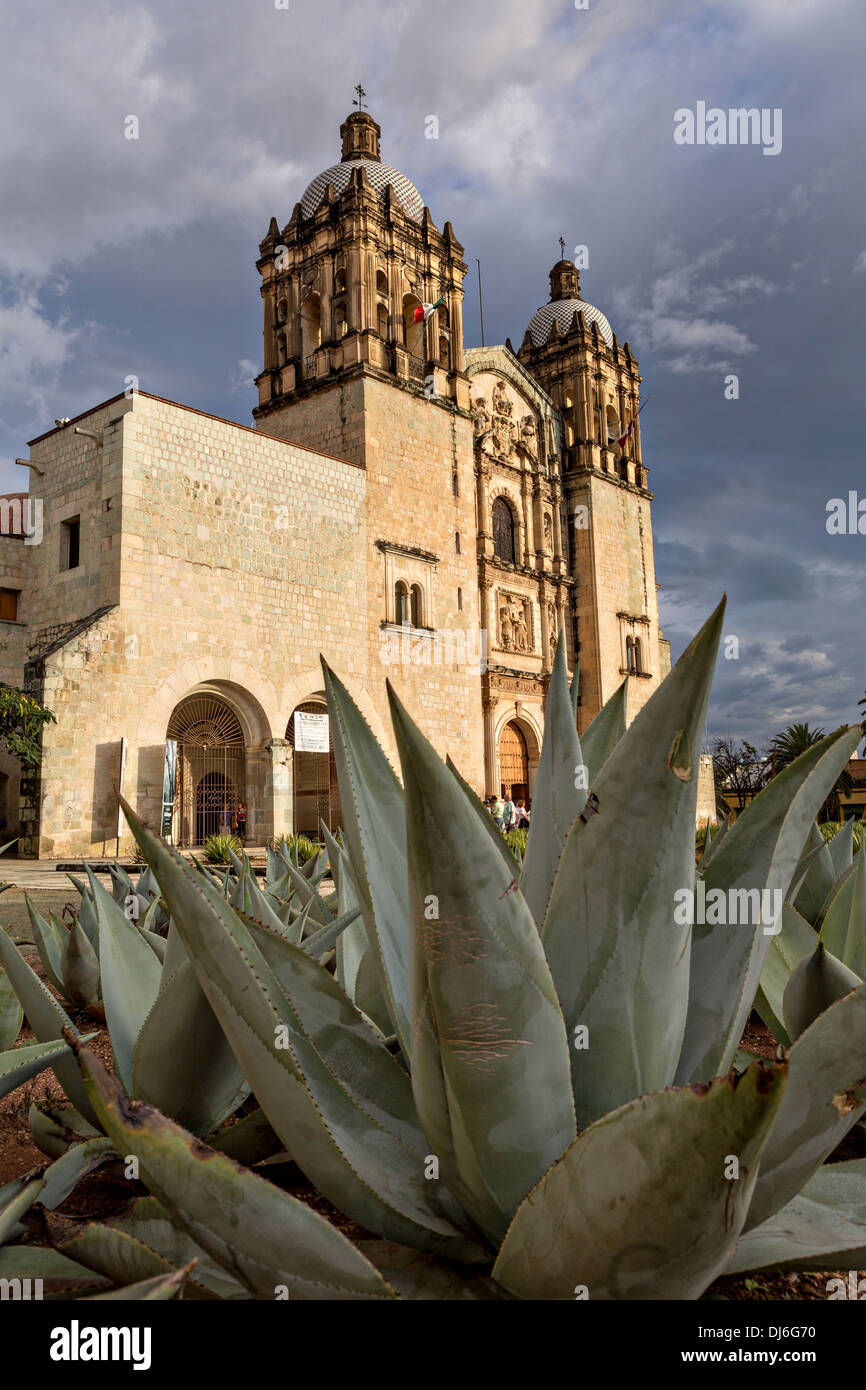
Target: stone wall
[241, 559]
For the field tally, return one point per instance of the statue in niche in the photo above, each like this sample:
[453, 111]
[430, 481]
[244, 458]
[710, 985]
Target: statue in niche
[501, 403]
[506, 628]
[514, 624]
[548, 534]
[521, 633]
[481, 423]
[528, 436]
[551, 631]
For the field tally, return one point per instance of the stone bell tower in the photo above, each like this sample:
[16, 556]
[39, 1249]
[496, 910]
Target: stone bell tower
[342, 281]
[349, 372]
[570, 348]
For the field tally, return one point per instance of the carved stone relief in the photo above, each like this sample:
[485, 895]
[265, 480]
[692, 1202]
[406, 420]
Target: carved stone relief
[515, 623]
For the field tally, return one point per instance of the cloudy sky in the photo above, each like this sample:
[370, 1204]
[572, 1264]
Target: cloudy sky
[123, 257]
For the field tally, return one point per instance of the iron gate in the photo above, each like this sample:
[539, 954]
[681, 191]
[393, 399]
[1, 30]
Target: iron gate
[211, 769]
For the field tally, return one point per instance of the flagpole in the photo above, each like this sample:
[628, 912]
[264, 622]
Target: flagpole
[480, 300]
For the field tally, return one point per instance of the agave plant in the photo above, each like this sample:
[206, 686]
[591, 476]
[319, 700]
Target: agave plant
[167, 1044]
[524, 1078]
[820, 952]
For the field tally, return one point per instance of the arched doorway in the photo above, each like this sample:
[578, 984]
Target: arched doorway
[513, 763]
[314, 780]
[208, 769]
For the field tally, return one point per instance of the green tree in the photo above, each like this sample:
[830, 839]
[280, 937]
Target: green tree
[22, 720]
[787, 746]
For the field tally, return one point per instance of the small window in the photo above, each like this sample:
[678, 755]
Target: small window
[444, 354]
[340, 316]
[381, 282]
[9, 605]
[281, 349]
[71, 544]
[457, 541]
[455, 483]
[282, 311]
[459, 600]
[341, 281]
[503, 531]
[401, 602]
[382, 321]
[416, 608]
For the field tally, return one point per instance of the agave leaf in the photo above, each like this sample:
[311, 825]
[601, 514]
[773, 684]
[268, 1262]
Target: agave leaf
[368, 993]
[759, 855]
[61, 1176]
[249, 1141]
[46, 1018]
[817, 884]
[841, 848]
[339, 1101]
[574, 688]
[512, 861]
[121, 883]
[640, 1206]
[50, 939]
[149, 1224]
[816, 983]
[55, 1129]
[619, 959]
[843, 930]
[87, 914]
[209, 1085]
[130, 975]
[352, 943]
[375, 830]
[826, 1096]
[264, 1237]
[322, 940]
[490, 1062]
[823, 1227]
[80, 967]
[159, 1289]
[249, 899]
[309, 897]
[414, 1274]
[116, 1254]
[16, 1199]
[715, 841]
[788, 947]
[175, 954]
[155, 942]
[604, 732]
[21, 1063]
[11, 1013]
[58, 1273]
[559, 794]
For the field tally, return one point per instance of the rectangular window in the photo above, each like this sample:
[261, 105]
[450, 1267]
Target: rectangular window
[9, 605]
[71, 543]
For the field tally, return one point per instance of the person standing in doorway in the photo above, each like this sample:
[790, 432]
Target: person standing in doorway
[241, 814]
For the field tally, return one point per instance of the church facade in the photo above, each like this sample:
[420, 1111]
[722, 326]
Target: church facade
[408, 508]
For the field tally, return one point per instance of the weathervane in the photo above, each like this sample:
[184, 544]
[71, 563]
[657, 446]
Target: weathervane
[359, 100]
[562, 246]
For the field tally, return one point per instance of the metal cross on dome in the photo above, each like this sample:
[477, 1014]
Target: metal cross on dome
[359, 99]
[562, 246]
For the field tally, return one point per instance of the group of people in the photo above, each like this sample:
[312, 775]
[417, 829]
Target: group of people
[507, 815]
[234, 822]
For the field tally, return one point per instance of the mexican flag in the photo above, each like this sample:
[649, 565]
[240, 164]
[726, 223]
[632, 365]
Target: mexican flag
[425, 311]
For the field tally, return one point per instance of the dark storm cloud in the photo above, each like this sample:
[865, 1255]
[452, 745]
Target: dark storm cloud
[126, 257]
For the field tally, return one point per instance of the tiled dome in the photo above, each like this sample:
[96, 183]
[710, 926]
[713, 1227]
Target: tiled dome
[562, 311]
[380, 176]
